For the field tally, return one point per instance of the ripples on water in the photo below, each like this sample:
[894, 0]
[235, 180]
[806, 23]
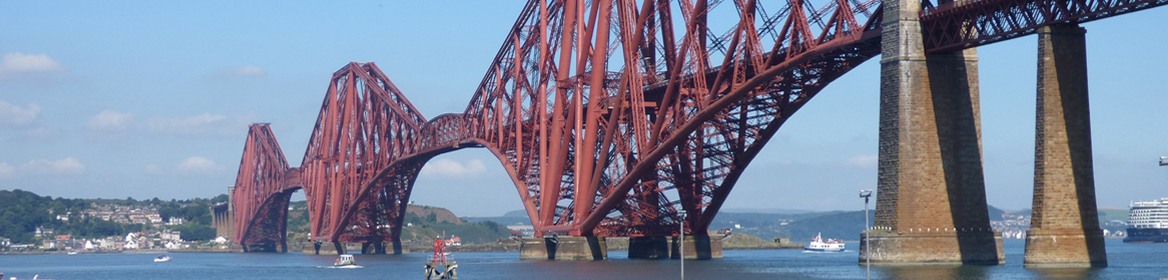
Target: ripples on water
[1127, 261]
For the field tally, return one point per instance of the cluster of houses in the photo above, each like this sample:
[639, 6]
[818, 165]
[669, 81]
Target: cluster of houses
[125, 215]
[453, 241]
[1014, 226]
[161, 240]
[153, 240]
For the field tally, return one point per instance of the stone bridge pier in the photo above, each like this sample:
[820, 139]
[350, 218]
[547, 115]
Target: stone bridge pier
[931, 204]
[1064, 227]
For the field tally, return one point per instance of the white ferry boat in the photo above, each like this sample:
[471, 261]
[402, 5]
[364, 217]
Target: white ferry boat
[1148, 222]
[345, 261]
[819, 245]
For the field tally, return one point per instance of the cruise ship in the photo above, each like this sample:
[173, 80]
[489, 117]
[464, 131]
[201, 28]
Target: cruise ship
[1148, 222]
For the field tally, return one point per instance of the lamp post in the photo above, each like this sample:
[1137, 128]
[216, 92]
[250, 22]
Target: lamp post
[866, 193]
[681, 241]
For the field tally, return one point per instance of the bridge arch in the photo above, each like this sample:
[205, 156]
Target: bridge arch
[613, 127]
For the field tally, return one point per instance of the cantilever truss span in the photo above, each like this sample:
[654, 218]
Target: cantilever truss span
[609, 116]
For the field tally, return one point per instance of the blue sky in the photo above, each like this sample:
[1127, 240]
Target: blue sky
[152, 99]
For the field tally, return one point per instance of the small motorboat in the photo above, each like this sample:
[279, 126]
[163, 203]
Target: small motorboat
[345, 261]
[162, 258]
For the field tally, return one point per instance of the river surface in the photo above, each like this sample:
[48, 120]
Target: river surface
[1127, 261]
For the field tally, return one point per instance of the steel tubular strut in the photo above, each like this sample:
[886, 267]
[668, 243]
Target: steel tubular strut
[607, 122]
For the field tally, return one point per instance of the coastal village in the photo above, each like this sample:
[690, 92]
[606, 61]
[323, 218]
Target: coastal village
[156, 238]
[93, 226]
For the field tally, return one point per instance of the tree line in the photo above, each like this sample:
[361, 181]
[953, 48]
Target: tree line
[22, 212]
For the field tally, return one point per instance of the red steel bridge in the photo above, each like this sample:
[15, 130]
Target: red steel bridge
[610, 116]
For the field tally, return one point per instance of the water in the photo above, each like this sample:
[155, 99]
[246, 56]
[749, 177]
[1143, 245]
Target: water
[1127, 261]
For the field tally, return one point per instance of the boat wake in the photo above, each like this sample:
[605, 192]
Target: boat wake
[827, 252]
[343, 266]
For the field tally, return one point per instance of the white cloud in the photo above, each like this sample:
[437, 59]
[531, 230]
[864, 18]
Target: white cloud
[66, 166]
[19, 63]
[200, 124]
[6, 170]
[450, 168]
[247, 71]
[864, 161]
[197, 165]
[111, 121]
[17, 116]
[205, 124]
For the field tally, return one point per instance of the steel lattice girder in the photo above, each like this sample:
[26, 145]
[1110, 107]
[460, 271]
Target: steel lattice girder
[258, 183]
[967, 24]
[610, 115]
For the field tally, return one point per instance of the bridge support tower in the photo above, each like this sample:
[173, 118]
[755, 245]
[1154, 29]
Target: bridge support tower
[1064, 228]
[931, 205]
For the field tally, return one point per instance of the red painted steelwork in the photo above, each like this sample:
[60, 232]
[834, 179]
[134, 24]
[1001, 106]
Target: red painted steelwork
[262, 189]
[970, 23]
[609, 115]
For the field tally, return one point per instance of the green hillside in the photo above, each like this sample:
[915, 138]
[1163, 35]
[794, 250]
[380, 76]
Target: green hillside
[1108, 214]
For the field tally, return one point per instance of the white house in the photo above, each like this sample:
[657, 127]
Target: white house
[171, 235]
[130, 245]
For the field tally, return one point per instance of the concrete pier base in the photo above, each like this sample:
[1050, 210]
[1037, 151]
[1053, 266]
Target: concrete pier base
[321, 248]
[262, 248]
[564, 248]
[649, 247]
[945, 247]
[700, 247]
[373, 248]
[382, 248]
[1068, 248]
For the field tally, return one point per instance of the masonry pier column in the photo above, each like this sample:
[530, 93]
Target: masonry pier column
[367, 248]
[931, 205]
[1064, 227]
[563, 248]
[649, 247]
[371, 248]
[379, 248]
[698, 247]
[397, 246]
